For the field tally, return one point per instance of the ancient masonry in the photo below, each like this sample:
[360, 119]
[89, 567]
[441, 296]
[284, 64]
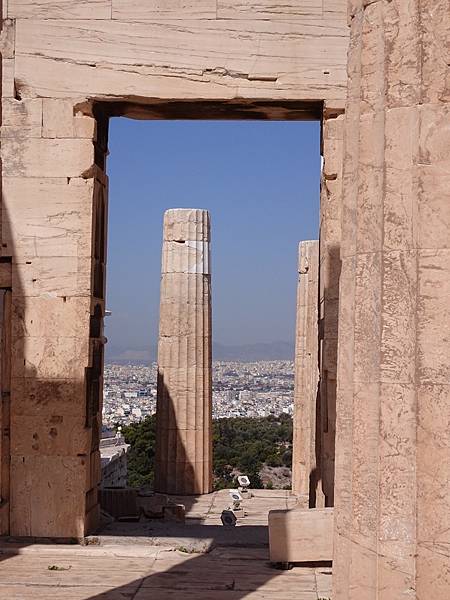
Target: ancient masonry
[306, 482]
[393, 408]
[183, 462]
[376, 74]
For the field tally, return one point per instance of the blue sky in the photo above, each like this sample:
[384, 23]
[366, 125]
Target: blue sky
[260, 182]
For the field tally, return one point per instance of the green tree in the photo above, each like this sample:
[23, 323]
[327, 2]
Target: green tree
[241, 445]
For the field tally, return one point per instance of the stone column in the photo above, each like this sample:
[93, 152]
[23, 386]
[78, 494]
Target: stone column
[329, 272]
[392, 509]
[184, 413]
[305, 476]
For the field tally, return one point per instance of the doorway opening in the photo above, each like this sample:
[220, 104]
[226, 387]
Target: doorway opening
[260, 182]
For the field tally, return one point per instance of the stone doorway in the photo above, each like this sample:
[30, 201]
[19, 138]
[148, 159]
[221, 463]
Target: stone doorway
[294, 116]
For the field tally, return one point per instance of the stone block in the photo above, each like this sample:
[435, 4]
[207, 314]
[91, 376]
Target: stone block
[174, 59]
[50, 357]
[270, 9]
[32, 396]
[154, 10]
[60, 121]
[49, 217]
[47, 316]
[301, 535]
[54, 277]
[22, 113]
[32, 157]
[59, 9]
[54, 434]
[48, 496]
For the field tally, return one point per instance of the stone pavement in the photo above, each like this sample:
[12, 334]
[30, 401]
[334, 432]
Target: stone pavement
[167, 563]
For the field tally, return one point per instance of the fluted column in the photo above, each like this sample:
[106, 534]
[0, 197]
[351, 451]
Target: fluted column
[392, 509]
[184, 413]
[305, 476]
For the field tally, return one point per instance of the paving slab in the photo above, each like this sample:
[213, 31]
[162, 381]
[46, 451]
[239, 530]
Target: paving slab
[162, 561]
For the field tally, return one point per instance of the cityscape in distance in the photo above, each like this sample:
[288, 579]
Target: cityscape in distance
[258, 388]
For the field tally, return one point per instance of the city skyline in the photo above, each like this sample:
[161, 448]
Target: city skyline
[276, 172]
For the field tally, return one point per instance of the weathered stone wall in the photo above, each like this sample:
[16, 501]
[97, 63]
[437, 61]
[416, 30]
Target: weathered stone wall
[66, 66]
[393, 428]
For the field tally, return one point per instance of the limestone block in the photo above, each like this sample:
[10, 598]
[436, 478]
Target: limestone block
[301, 535]
[59, 276]
[59, 120]
[21, 118]
[59, 9]
[22, 113]
[46, 158]
[50, 357]
[33, 396]
[49, 435]
[48, 496]
[154, 10]
[47, 217]
[269, 9]
[175, 59]
[50, 317]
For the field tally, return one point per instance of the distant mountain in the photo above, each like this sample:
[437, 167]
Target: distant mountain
[254, 352]
[243, 353]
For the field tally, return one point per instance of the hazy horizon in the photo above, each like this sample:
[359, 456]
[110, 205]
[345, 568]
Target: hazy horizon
[260, 183]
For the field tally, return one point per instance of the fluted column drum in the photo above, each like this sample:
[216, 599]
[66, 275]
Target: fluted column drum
[184, 402]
